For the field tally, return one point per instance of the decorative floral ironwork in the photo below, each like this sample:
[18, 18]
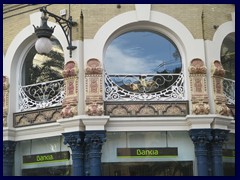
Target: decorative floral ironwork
[229, 90]
[144, 87]
[41, 95]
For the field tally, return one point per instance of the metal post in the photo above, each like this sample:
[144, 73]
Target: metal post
[201, 138]
[94, 141]
[8, 157]
[76, 143]
[219, 136]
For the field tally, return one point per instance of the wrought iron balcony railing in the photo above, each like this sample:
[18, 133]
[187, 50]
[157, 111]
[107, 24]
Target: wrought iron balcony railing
[151, 87]
[229, 90]
[41, 95]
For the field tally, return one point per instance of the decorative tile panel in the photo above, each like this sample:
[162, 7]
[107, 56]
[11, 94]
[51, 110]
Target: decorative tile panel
[35, 117]
[70, 102]
[5, 99]
[143, 108]
[94, 92]
[198, 85]
[217, 81]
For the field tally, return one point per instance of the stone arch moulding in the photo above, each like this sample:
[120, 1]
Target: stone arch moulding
[181, 36]
[168, 25]
[222, 31]
[26, 37]
[12, 61]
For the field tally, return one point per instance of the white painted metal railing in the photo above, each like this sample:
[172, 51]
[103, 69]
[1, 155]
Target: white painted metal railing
[229, 90]
[41, 95]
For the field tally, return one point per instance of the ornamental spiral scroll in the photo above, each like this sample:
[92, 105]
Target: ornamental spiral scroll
[70, 102]
[198, 85]
[219, 98]
[94, 93]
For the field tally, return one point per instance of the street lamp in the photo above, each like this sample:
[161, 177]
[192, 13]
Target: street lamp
[44, 32]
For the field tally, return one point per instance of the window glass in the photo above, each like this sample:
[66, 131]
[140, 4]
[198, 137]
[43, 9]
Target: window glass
[228, 63]
[228, 56]
[142, 52]
[143, 62]
[39, 68]
[178, 168]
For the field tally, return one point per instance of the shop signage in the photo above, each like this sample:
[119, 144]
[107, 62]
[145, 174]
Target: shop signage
[147, 152]
[228, 152]
[48, 157]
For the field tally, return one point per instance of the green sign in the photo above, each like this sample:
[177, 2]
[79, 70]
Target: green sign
[48, 157]
[147, 152]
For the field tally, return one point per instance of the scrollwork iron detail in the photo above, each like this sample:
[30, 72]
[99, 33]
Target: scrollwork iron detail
[41, 95]
[144, 87]
[229, 90]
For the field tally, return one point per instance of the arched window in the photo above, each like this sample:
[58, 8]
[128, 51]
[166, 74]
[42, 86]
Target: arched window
[143, 65]
[228, 56]
[228, 63]
[42, 79]
[38, 68]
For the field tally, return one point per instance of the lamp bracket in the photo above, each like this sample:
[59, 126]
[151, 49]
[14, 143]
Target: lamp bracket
[66, 25]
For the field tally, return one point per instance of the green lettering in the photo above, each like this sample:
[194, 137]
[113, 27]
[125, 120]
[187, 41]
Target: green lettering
[38, 158]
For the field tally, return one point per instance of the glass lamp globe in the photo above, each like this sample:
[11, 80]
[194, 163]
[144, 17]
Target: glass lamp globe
[43, 45]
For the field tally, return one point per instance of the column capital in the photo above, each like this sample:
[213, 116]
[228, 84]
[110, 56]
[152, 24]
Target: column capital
[220, 135]
[200, 136]
[75, 140]
[95, 139]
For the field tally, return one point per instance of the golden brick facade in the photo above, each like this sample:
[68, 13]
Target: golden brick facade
[198, 18]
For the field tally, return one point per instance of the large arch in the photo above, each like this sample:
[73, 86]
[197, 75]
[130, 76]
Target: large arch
[15, 55]
[222, 31]
[213, 49]
[189, 47]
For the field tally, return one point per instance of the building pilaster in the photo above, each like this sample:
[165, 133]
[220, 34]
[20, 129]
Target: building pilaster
[86, 162]
[8, 157]
[219, 136]
[201, 138]
[75, 140]
[94, 141]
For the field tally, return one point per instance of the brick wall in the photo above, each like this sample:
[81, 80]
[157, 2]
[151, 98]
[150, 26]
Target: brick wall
[95, 15]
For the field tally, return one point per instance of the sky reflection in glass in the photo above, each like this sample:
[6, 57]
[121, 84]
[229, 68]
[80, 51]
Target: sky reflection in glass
[142, 52]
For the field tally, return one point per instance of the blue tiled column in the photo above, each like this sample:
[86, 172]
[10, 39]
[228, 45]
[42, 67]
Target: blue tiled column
[94, 141]
[86, 162]
[75, 140]
[8, 157]
[201, 138]
[219, 136]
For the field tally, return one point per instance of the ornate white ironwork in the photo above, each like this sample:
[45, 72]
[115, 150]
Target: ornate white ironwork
[229, 90]
[41, 95]
[144, 87]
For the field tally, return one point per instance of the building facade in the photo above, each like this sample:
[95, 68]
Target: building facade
[147, 90]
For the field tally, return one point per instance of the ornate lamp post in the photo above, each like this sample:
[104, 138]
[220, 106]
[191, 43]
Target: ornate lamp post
[44, 32]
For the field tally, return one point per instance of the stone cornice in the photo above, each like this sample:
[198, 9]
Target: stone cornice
[71, 124]
[107, 123]
[199, 121]
[95, 122]
[8, 134]
[38, 131]
[222, 122]
[147, 124]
